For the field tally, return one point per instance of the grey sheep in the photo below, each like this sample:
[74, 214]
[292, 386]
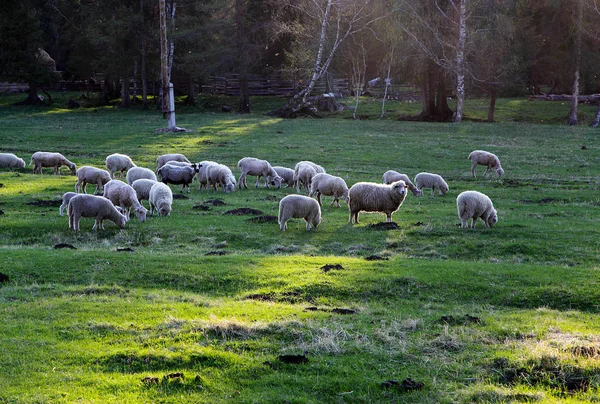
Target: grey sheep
[433, 181]
[221, 175]
[299, 206]
[372, 197]
[165, 158]
[303, 176]
[173, 174]
[202, 174]
[118, 163]
[142, 188]
[48, 159]
[136, 173]
[393, 176]
[161, 199]
[83, 205]
[65, 201]
[91, 175]
[286, 174]
[260, 168]
[123, 195]
[11, 161]
[325, 184]
[475, 205]
[484, 158]
[316, 167]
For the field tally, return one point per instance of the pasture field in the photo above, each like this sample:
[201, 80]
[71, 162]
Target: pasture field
[208, 307]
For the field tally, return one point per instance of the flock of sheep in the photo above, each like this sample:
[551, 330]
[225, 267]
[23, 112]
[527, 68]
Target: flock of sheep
[119, 199]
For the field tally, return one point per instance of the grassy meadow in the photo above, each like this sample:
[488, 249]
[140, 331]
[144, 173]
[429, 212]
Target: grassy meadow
[207, 307]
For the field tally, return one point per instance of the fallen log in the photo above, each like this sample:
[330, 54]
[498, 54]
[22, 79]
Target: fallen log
[592, 98]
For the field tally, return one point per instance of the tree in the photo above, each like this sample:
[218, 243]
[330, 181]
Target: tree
[579, 28]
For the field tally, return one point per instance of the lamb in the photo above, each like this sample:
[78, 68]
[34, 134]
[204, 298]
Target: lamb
[172, 174]
[202, 174]
[136, 173]
[65, 201]
[123, 195]
[166, 158]
[372, 197]
[161, 199]
[286, 174]
[219, 174]
[483, 158]
[260, 168]
[96, 207]
[317, 168]
[393, 176]
[473, 204]
[299, 206]
[10, 161]
[433, 181]
[142, 188]
[48, 159]
[91, 175]
[304, 175]
[118, 163]
[325, 184]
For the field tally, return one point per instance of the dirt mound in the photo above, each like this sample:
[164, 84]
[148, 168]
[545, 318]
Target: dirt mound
[215, 202]
[385, 226]
[330, 267]
[64, 245]
[263, 219]
[244, 211]
[46, 204]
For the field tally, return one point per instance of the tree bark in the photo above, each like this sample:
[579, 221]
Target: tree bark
[164, 58]
[242, 45]
[574, 100]
[460, 62]
[492, 108]
[143, 72]
[124, 92]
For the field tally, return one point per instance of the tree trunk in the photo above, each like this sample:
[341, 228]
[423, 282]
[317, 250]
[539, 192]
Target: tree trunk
[191, 96]
[460, 62]
[164, 59]
[143, 73]
[317, 67]
[135, 88]
[573, 114]
[242, 50]
[124, 92]
[492, 105]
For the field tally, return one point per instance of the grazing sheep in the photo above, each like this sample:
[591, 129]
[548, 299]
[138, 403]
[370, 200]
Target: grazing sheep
[372, 197]
[142, 188]
[10, 161]
[83, 205]
[202, 174]
[474, 205]
[304, 176]
[299, 206]
[483, 158]
[393, 176]
[286, 174]
[260, 168]
[166, 158]
[123, 195]
[316, 167]
[172, 174]
[91, 175]
[219, 174]
[433, 181]
[47, 159]
[65, 201]
[136, 173]
[118, 163]
[325, 184]
[161, 199]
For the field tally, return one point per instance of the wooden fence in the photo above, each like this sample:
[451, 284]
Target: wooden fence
[230, 85]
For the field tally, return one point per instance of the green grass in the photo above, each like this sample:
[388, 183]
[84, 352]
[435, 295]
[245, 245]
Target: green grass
[508, 314]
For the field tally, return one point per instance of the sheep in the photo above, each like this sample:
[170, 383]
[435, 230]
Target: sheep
[372, 197]
[260, 168]
[219, 174]
[136, 173]
[96, 207]
[299, 206]
[433, 181]
[123, 195]
[118, 163]
[91, 175]
[325, 184]
[286, 174]
[48, 159]
[172, 174]
[10, 161]
[473, 204]
[483, 158]
[318, 169]
[65, 201]
[202, 174]
[161, 199]
[304, 175]
[166, 158]
[142, 188]
[393, 176]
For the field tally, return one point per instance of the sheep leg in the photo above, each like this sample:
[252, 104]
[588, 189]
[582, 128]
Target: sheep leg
[77, 187]
[474, 221]
[83, 187]
[432, 191]
[308, 226]
[319, 198]
[464, 223]
[388, 217]
[473, 165]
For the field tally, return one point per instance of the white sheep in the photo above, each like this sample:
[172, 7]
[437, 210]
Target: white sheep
[260, 168]
[372, 197]
[161, 199]
[202, 174]
[317, 168]
[83, 205]
[219, 174]
[173, 174]
[393, 176]
[286, 174]
[304, 175]
[166, 158]
[136, 173]
[433, 181]
[474, 205]
[142, 188]
[299, 206]
[65, 201]
[11, 161]
[118, 163]
[325, 184]
[91, 175]
[48, 159]
[484, 158]
[123, 195]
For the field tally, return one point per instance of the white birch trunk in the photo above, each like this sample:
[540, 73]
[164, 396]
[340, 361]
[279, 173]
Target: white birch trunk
[573, 114]
[317, 69]
[460, 62]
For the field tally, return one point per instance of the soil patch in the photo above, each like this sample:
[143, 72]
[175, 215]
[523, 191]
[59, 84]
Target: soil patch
[3, 278]
[461, 320]
[263, 219]
[215, 202]
[405, 385]
[64, 245]
[1, 212]
[244, 211]
[375, 257]
[385, 226]
[125, 249]
[216, 252]
[46, 204]
[180, 196]
[293, 359]
[330, 267]
[335, 310]
[201, 207]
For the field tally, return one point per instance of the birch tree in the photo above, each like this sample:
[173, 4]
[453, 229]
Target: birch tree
[574, 100]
